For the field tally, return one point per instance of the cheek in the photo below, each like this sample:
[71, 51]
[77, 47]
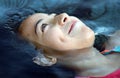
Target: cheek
[53, 37]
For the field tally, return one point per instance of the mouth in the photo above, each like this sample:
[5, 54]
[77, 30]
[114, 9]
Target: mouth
[72, 26]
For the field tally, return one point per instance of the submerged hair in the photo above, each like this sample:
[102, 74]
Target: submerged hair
[100, 41]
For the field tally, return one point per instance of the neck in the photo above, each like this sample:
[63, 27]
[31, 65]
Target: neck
[89, 62]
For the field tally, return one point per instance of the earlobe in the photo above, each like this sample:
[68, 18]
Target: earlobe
[44, 60]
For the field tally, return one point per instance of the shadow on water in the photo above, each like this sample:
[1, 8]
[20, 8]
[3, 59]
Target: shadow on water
[16, 55]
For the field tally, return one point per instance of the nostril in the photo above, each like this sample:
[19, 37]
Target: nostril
[65, 19]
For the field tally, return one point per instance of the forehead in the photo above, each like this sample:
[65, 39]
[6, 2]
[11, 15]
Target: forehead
[38, 16]
[27, 26]
[32, 20]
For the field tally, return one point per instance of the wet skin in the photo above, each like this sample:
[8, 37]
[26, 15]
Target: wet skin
[60, 32]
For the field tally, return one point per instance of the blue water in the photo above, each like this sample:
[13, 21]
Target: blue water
[16, 55]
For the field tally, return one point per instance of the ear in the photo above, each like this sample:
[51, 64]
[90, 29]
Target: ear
[44, 60]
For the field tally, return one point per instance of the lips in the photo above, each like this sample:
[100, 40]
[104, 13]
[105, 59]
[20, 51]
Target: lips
[71, 27]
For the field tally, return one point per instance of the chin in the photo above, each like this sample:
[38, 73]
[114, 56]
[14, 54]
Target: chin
[88, 41]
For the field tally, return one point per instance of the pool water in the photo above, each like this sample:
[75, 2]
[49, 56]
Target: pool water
[16, 55]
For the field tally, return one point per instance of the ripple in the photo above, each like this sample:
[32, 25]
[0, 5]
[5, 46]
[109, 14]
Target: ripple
[15, 3]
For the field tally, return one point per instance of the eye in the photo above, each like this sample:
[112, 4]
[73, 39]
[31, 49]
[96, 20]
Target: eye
[43, 27]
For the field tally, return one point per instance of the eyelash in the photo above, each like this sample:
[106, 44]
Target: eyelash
[43, 27]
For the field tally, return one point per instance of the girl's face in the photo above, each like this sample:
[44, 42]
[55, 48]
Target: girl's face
[59, 32]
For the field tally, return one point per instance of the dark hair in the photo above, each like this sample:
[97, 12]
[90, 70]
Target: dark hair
[14, 17]
[100, 41]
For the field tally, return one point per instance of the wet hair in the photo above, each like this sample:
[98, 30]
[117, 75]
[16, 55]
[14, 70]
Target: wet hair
[14, 18]
[100, 41]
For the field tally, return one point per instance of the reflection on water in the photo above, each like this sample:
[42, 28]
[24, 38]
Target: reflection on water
[15, 3]
[16, 55]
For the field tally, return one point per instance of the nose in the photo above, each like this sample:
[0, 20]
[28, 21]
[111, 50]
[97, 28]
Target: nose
[61, 19]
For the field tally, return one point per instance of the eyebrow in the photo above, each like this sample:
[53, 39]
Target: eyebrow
[37, 25]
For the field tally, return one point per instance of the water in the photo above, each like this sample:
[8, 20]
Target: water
[16, 55]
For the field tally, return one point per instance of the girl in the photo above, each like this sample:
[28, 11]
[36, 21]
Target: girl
[67, 40]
